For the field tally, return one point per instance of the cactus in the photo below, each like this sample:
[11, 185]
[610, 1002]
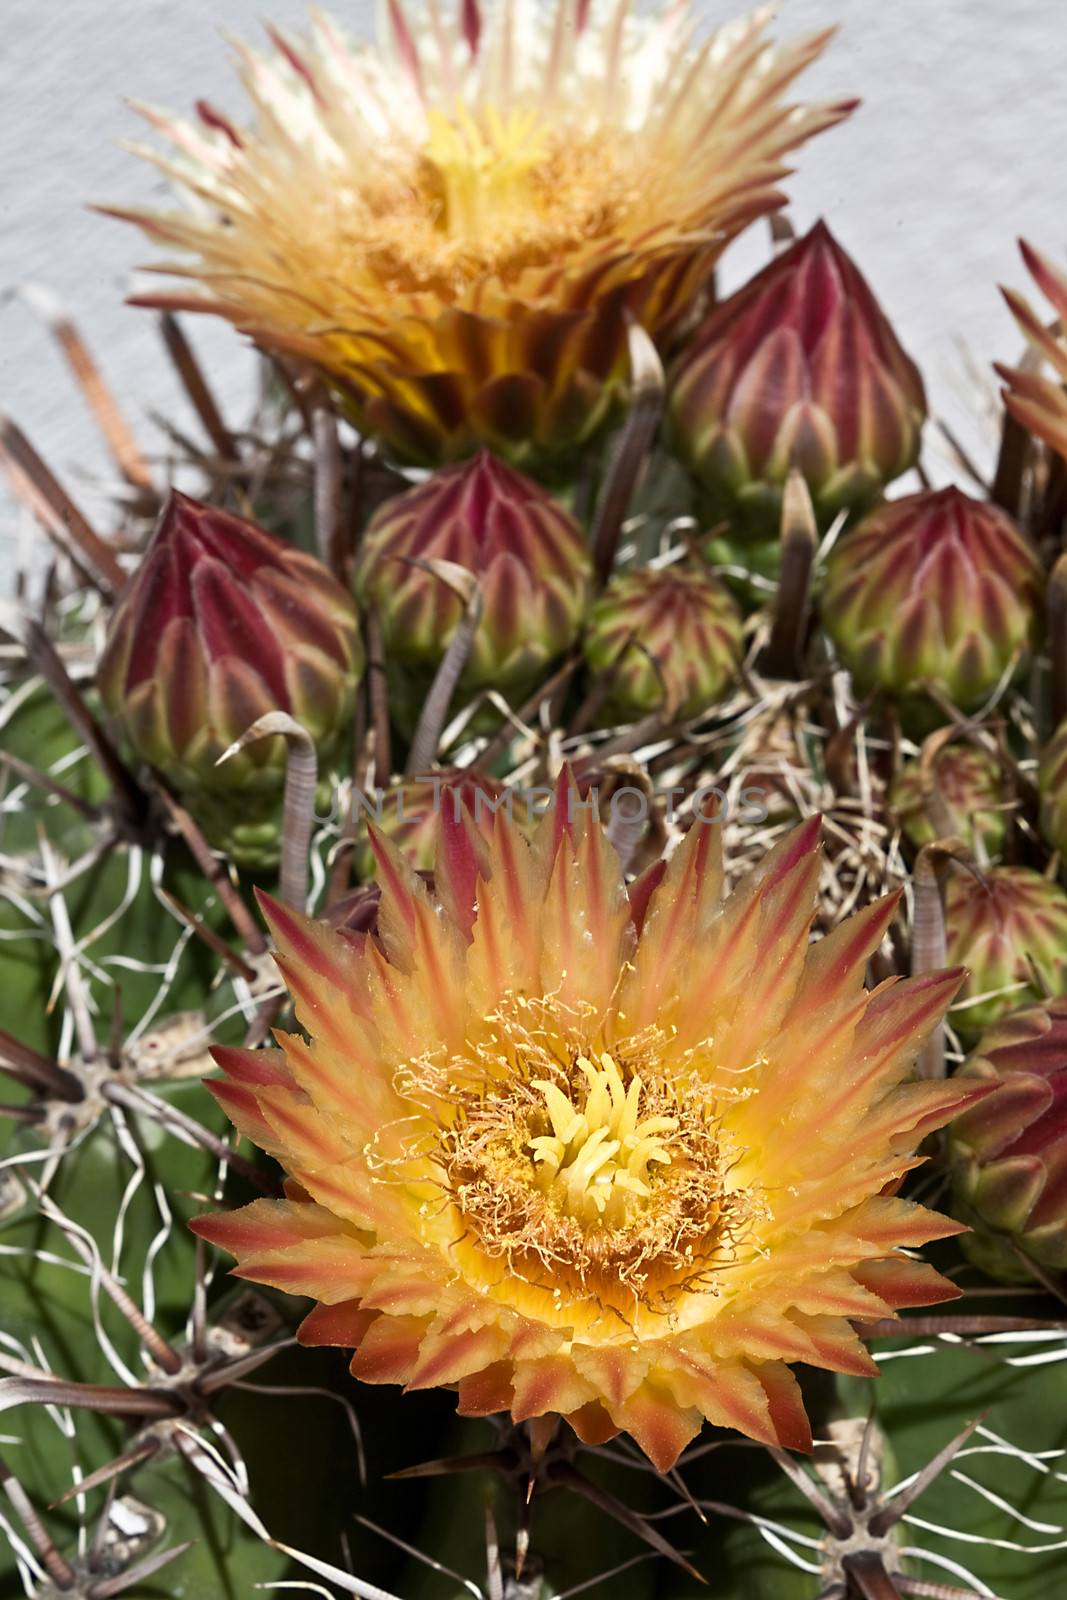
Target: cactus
[600, 1111]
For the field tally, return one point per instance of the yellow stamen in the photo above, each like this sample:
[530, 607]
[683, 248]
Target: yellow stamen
[600, 1178]
[596, 1158]
[484, 165]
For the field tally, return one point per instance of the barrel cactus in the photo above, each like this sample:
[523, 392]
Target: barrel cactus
[447, 950]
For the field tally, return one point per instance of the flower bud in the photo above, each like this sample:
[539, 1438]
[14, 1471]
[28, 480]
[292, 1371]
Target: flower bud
[933, 590]
[799, 368]
[1008, 1155]
[526, 552]
[960, 792]
[1052, 782]
[220, 624]
[1009, 927]
[665, 641]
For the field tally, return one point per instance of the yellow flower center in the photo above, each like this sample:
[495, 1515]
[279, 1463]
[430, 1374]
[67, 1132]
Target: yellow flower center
[584, 1176]
[595, 1161]
[481, 192]
[484, 166]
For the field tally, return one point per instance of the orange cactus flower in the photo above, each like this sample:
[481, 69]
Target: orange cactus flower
[618, 1156]
[455, 226]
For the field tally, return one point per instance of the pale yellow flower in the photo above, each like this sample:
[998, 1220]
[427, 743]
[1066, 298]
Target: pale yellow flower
[455, 225]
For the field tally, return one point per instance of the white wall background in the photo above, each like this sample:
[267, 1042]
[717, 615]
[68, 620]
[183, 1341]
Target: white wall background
[957, 149]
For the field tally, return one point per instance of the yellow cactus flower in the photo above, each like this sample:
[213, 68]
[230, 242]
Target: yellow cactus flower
[619, 1156]
[455, 226]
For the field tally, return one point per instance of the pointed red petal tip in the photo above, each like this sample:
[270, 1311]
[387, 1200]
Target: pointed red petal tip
[269, 906]
[213, 1227]
[211, 117]
[799, 844]
[641, 891]
[1049, 278]
[1030, 256]
[471, 24]
[395, 876]
[565, 811]
[952, 977]
[283, 923]
[457, 864]
[251, 1066]
[296, 934]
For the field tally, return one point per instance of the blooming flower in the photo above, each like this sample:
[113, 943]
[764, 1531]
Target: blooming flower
[1037, 402]
[619, 1157]
[456, 225]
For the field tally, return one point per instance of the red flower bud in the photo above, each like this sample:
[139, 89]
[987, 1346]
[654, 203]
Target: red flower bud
[526, 551]
[1009, 1154]
[934, 589]
[220, 624]
[798, 368]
